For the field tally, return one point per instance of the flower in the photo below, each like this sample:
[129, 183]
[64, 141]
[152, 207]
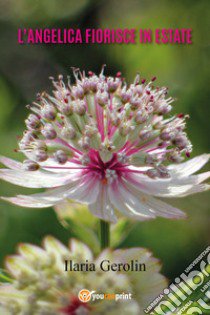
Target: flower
[109, 145]
[39, 284]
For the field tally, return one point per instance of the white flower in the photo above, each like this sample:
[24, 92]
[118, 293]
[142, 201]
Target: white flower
[39, 284]
[109, 145]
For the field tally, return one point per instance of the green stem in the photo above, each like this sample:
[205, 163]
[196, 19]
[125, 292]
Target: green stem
[104, 234]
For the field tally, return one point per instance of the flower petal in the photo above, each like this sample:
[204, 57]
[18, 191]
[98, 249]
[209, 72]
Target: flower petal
[157, 187]
[12, 164]
[191, 166]
[29, 251]
[126, 203]
[36, 179]
[201, 177]
[28, 202]
[86, 191]
[56, 249]
[80, 250]
[141, 254]
[42, 200]
[102, 207]
[162, 209]
[8, 292]
[195, 189]
[16, 265]
[52, 245]
[153, 205]
[166, 188]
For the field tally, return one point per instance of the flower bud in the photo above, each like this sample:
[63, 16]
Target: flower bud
[166, 135]
[29, 165]
[80, 108]
[181, 141]
[40, 155]
[41, 145]
[84, 143]
[152, 173]
[164, 109]
[113, 84]
[86, 85]
[125, 95]
[175, 157]
[116, 103]
[93, 81]
[61, 157]
[145, 134]
[163, 172]
[135, 103]
[67, 109]
[49, 112]
[33, 122]
[78, 91]
[141, 117]
[90, 131]
[139, 89]
[68, 133]
[102, 98]
[28, 137]
[49, 132]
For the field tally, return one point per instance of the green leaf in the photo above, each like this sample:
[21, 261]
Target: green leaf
[83, 233]
[120, 231]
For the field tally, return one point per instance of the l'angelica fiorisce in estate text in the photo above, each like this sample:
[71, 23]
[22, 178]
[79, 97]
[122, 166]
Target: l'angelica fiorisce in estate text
[104, 36]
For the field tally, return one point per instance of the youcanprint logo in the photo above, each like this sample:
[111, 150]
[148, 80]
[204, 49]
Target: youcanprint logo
[85, 295]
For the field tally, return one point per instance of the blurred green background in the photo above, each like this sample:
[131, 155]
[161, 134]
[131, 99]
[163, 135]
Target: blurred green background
[24, 70]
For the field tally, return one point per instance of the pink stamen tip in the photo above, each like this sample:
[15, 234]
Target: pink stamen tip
[90, 73]
[119, 74]
[180, 115]
[153, 79]
[148, 92]
[188, 154]
[143, 81]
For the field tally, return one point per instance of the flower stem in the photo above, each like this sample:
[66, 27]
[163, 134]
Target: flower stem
[104, 234]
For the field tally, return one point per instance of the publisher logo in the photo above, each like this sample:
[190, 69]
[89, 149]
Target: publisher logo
[84, 295]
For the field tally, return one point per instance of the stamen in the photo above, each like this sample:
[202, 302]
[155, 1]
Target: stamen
[105, 124]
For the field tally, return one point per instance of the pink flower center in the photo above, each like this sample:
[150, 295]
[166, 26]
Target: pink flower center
[106, 171]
